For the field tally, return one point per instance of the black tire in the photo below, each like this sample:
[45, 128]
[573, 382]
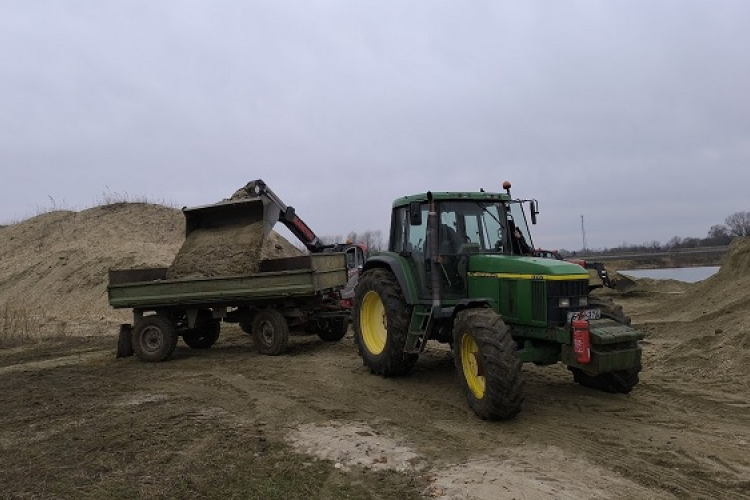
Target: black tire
[331, 329]
[202, 336]
[610, 309]
[125, 341]
[247, 327]
[622, 381]
[270, 332]
[489, 370]
[381, 341]
[154, 338]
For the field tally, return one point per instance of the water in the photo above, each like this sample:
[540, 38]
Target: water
[686, 274]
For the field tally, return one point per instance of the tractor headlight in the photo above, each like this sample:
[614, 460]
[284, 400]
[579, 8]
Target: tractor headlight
[583, 301]
[564, 302]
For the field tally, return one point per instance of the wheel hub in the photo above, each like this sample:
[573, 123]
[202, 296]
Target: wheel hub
[151, 339]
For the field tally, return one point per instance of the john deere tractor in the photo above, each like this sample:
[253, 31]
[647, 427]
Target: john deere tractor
[460, 270]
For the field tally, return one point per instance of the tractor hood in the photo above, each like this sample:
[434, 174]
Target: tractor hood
[527, 266]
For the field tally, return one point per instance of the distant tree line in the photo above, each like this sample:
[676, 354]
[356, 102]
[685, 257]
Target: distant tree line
[372, 238]
[735, 226]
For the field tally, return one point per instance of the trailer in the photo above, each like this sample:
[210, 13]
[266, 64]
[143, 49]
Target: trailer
[268, 298]
[291, 295]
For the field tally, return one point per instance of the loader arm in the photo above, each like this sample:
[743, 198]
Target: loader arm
[278, 211]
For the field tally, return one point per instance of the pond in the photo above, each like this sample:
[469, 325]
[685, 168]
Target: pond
[686, 274]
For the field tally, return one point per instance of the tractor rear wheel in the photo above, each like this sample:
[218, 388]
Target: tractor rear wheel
[489, 369]
[621, 381]
[381, 324]
[154, 338]
[270, 332]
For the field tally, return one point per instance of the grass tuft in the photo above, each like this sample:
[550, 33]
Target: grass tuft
[18, 325]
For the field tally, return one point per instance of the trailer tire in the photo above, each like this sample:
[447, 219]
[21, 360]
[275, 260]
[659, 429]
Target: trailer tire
[621, 381]
[489, 370]
[381, 324]
[202, 336]
[154, 338]
[331, 329]
[270, 332]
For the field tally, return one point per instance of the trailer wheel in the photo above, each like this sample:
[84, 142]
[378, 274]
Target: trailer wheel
[381, 324]
[488, 368]
[330, 330]
[154, 338]
[270, 332]
[202, 336]
[621, 381]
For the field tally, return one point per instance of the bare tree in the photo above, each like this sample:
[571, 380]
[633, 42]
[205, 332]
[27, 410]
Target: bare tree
[372, 239]
[738, 224]
[719, 235]
[330, 240]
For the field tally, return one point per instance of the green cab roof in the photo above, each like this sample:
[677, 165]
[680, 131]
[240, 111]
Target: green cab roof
[452, 196]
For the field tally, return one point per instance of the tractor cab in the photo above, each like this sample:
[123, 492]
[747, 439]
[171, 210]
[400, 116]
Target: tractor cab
[467, 224]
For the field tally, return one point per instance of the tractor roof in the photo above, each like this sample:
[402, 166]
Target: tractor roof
[452, 196]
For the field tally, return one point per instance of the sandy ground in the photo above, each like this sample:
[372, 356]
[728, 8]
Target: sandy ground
[77, 423]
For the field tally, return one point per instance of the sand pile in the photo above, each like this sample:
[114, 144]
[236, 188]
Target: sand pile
[704, 332]
[726, 291]
[55, 264]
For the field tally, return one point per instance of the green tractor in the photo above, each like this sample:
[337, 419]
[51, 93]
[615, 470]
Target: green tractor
[460, 270]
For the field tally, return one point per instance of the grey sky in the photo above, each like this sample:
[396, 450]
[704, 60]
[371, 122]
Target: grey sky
[635, 114]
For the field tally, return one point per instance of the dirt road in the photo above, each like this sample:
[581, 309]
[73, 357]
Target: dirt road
[314, 424]
[228, 422]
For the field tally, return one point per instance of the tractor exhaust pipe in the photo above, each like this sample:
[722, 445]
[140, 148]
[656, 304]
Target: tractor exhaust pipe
[432, 228]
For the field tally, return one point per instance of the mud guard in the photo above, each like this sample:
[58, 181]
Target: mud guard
[125, 341]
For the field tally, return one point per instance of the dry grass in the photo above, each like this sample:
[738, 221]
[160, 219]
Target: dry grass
[110, 197]
[18, 325]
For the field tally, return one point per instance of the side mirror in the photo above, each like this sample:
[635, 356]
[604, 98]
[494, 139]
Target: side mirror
[533, 210]
[415, 213]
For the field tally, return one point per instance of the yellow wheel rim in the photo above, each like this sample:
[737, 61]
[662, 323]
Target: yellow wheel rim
[373, 323]
[471, 362]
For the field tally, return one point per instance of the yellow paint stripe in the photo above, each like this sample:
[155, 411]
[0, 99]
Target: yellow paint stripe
[513, 276]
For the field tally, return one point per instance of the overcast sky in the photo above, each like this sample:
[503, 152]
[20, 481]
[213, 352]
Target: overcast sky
[634, 114]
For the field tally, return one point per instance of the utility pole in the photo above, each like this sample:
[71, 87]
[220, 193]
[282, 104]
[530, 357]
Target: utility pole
[583, 233]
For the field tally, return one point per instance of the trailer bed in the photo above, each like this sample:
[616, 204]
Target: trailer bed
[306, 275]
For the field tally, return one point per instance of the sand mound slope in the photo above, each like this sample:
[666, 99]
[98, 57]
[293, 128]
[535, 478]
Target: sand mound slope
[704, 331]
[56, 264]
[722, 293]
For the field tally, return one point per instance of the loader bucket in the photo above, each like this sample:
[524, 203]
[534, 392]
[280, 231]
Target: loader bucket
[235, 212]
[624, 284]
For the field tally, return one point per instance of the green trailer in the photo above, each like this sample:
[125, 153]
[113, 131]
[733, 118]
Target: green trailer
[290, 295]
[268, 298]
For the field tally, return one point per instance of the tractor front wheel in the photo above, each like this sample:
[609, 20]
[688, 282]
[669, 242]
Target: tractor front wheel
[381, 324]
[610, 309]
[488, 368]
[621, 381]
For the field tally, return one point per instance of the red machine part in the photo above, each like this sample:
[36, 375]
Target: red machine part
[582, 341]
